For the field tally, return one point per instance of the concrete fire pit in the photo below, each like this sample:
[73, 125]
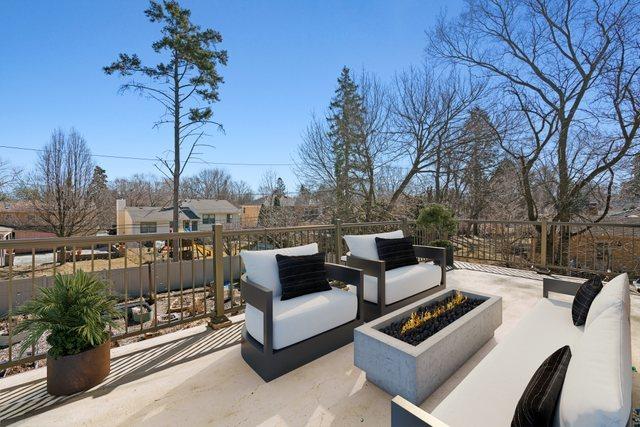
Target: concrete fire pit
[414, 372]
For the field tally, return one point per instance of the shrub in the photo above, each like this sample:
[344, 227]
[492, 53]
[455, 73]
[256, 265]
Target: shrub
[441, 244]
[76, 312]
[437, 219]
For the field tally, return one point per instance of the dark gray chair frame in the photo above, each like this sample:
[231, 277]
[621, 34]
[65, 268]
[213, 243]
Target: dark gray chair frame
[271, 364]
[406, 414]
[559, 286]
[376, 269]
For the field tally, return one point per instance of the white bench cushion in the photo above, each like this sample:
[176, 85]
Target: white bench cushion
[616, 290]
[303, 317]
[597, 388]
[262, 267]
[364, 245]
[403, 282]
[489, 394]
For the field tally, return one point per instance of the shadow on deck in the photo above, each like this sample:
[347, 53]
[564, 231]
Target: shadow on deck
[31, 398]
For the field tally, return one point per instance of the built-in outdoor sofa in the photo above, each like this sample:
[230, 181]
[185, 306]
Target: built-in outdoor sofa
[387, 291]
[597, 387]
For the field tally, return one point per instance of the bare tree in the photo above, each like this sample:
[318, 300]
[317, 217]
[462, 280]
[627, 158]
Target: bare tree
[143, 190]
[424, 112]
[241, 193]
[268, 183]
[7, 176]
[216, 184]
[60, 189]
[370, 147]
[208, 184]
[376, 150]
[569, 70]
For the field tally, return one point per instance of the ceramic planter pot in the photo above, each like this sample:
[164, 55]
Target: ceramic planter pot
[71, 374]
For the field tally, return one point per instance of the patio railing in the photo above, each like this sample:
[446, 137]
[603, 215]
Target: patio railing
[162, 289]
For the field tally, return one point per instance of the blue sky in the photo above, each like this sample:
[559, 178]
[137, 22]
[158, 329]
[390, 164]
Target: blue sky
[284, 58]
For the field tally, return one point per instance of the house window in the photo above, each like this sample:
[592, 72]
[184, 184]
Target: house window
[148, 227]
[209, 218]
[229, 218]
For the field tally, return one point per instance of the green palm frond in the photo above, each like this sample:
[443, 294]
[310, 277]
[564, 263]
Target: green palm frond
[76, 312]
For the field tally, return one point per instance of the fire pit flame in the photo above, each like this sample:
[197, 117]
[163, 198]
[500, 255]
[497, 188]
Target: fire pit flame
[416, 320]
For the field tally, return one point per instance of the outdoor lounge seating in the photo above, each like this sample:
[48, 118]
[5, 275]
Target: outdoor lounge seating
[597, 386]
[386, 291]
[281, 335]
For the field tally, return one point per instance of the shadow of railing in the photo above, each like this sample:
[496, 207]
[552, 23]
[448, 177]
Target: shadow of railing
[503, 271]
[31, 398]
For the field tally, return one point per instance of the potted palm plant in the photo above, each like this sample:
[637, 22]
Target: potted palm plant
[75, 312]
[438, 220]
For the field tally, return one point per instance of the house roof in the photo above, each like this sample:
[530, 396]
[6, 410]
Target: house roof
[189, 213]
[209, 206]
[152, 213]
[17, 206]
[190, 209]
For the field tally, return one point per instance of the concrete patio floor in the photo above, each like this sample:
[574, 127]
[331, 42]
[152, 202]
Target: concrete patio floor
[197, 377]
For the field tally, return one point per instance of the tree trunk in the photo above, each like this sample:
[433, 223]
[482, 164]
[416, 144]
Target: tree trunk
[176, 158]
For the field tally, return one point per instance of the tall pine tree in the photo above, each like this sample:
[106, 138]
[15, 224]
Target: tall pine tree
[185, 82]
[346, 123]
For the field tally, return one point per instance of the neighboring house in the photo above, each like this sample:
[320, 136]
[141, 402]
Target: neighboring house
[195, 215]
[6, 233]
[19, 214]
[250, 214]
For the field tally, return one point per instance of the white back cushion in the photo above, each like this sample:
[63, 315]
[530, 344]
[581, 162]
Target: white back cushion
[615, 290]
[597, 387]
[364, 245]
[262, 267]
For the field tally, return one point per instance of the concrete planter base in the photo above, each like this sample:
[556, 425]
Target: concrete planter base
[414, 372]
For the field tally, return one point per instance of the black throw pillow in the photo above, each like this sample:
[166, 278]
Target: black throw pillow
[396, 253]
[537, 404]
[301, 275]
[583, 299]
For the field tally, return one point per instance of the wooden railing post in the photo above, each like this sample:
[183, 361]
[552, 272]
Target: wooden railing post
[543, 242]
[219, 319]
[403, 227]
[338, 240]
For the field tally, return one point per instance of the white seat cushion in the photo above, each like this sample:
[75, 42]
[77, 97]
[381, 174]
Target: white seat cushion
[616, 290]
[303, 317]
[262, 267]
[403, 282]
[364, 245]
[597, 388]
[489, 394]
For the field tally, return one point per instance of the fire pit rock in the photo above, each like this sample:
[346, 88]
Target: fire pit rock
[416, 371]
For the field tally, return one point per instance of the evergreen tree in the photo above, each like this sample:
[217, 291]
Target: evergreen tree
[281, 188]
[346, 123]
[102, 198]
[99, 181]
[186, 83]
